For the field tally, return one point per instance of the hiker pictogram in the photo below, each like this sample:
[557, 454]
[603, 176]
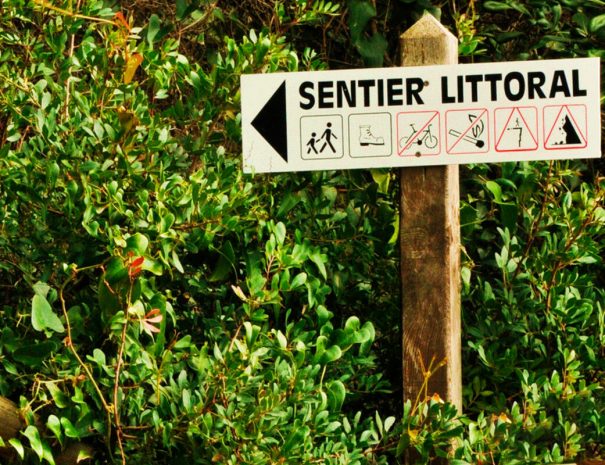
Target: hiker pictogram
[311, 144]
[370, 135]
[326, 138]
[467, 131]
[565, 127]
[321, 137]
[516, 129]
[418, 133]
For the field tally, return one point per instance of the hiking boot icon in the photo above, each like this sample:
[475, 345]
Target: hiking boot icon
[367, 138]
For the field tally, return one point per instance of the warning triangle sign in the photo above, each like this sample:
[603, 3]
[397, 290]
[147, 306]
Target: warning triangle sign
[567, 130]
[516, 129]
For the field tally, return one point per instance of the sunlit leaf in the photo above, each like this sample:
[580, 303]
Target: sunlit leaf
[132, 64]
[43, 317]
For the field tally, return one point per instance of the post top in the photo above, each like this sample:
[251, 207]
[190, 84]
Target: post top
[427, 26]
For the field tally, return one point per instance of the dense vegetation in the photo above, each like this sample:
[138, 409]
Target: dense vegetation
[159, 306]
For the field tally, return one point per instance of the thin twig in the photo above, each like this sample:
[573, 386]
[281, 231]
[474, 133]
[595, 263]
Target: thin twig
[536, 223]
[72, 46]
[116, 390]
[201, 20]
[73, 350]
[50, 6]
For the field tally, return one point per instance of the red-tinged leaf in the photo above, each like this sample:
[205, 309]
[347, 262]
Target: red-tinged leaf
[149, 328]
[121, 20]
[134, 272]
[154, 316]
[135, 267]
[132, 64]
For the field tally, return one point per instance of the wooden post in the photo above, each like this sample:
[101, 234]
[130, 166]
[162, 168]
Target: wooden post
[430, 246]
[10, 420]
[10, 425]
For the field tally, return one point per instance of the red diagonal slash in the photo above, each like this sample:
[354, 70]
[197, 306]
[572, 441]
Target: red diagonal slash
[467, 130]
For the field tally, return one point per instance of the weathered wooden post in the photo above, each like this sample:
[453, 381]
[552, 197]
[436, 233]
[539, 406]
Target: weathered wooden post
[10, 425]
[430, 245]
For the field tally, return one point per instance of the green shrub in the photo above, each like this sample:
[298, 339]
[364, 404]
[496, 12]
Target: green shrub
[161, 310]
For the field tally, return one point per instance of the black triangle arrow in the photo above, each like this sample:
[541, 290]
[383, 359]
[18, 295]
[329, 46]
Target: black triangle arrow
[271, 122]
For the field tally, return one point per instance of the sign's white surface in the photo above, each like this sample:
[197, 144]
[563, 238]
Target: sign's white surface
[420, 116]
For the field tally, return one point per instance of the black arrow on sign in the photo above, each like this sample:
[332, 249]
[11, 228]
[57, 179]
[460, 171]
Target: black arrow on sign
[271, 122]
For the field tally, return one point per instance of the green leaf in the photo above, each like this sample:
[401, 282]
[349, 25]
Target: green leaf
[388, 423]
[288, 202]
[153, 28]
[373, 49]
[83, 454]
[295, 440]
[495, 189]
[352, 324]
[166, 223]
[41, 288]
[318, 260]
[115, 271]
[31, 433]
[186, 399]
[336, 395]
[54, 425]
[18, 446]
[34, 354]
[61, 400]
[330, 355]
[281, 339]
[360, 13]
[43, 317]
[137, 243]
[69, 428]
[181, 8]
[508, 214]
[280, 232]
[382, 178]
[183, 343]
[225, 263]
[596, 23]
[99, 357]
[366, 345]
[177, 262]
[402, 445]
[299, 280]
[496, 6]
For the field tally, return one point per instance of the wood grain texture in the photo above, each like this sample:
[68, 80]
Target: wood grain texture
[430, 246]
[10, 420]
[10, 425]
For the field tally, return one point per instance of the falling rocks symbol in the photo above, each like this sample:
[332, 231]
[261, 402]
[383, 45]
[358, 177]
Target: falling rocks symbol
[271, 122]
[571, 136]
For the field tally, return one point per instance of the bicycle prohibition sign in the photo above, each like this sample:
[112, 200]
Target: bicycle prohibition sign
[418, 133]
[427, 138]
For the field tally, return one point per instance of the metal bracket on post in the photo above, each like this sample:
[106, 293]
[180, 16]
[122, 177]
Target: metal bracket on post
[430, 247]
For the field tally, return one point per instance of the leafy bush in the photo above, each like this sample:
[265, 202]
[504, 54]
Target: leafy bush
[160, 308]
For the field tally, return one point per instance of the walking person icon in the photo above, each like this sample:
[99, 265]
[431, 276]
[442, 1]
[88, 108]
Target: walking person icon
[321, 137]
[311, 144]
[327, 138]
